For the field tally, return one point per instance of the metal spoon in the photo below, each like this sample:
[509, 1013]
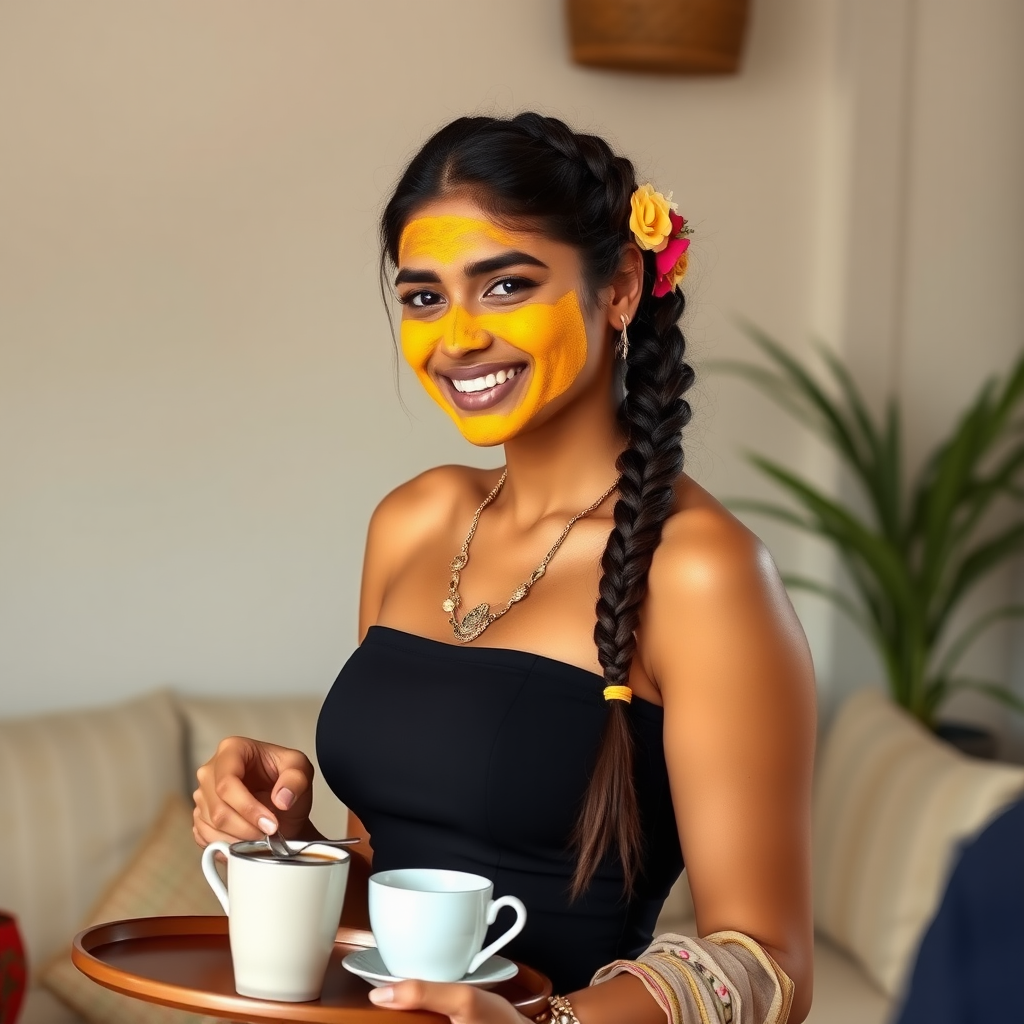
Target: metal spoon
[279, 845]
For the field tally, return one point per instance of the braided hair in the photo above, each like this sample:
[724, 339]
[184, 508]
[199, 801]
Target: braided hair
[577, 190]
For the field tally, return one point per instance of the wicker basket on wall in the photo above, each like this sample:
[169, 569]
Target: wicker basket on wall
[696, 37]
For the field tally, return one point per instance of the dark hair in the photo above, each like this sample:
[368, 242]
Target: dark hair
[577, 191]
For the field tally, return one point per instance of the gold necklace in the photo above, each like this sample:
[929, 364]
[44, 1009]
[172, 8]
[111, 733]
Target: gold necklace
[479, 618]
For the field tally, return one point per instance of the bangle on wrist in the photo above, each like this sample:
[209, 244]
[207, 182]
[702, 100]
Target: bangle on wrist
[559, 1011]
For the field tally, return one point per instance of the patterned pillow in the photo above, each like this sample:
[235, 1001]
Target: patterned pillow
[80, 790]
[163, 878]
[891, 805]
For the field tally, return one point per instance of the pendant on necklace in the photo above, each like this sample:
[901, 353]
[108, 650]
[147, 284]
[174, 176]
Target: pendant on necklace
[475, 622]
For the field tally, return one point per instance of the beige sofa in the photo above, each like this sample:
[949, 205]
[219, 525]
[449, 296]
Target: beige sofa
[82, 790]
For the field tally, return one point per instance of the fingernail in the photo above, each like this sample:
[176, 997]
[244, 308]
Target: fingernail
[285, 797]
[384, 994]
[267, 825]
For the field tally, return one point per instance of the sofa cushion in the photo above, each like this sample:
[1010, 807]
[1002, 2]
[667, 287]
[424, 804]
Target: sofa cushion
[79, 791]
[677, 915]
[163, 878]
[287, 721]
[843, 993]
[891, 805]
[41, 1006]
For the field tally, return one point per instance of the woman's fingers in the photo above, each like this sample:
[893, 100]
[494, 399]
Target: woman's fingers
[232, 798]
[221, 822]
[248, 789]
[204, 834]
[293, 791]
[462, 1004]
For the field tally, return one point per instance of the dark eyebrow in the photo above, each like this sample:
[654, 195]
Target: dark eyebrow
[506, 259]
[515, 258]
[417, 277]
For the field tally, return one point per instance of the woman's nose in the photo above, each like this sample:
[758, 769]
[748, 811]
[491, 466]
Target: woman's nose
[464, 334]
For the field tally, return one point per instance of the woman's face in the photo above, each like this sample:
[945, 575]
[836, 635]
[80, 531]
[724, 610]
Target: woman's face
[492, 319]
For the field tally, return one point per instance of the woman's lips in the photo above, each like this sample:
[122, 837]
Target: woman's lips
[481, 387]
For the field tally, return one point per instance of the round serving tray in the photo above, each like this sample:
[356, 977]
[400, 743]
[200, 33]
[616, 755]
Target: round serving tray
[186, 962]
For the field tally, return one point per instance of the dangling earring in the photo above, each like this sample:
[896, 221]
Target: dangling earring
[622, 345]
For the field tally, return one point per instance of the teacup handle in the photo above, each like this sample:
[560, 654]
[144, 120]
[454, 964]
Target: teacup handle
[210, 871]
[492, 912]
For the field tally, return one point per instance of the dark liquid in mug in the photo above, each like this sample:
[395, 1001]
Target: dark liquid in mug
[306, 857]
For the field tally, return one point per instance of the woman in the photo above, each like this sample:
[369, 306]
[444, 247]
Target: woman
[491, 720]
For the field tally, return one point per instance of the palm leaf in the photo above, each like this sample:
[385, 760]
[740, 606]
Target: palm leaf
[913, 563]
[976, 564]
[837, 597]
[881, 479]
[959, 647]
[984, 490]
[838, 429]
[771, 510]
[852, 536]
[775, 387]
[997, 691]
[952, 472]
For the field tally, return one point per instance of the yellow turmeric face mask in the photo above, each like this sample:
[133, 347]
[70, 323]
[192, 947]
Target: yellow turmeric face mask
[491, 369]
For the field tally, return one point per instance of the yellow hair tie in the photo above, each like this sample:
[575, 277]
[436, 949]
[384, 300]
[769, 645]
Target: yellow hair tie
[618, 693]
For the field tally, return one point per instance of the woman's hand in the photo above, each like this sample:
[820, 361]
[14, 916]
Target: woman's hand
[248, 789]
[462, 1004]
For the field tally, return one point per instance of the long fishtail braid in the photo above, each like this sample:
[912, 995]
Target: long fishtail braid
[652, 416]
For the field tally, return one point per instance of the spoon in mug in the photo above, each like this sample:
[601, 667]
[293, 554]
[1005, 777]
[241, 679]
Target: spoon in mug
[279, 845]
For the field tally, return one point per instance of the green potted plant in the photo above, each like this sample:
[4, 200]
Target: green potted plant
[926, 540]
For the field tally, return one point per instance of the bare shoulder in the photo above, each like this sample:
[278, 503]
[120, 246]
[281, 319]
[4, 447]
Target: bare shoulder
[424, 505]
[412, 515]
[714, 582]
[705, 549]
[427, 499]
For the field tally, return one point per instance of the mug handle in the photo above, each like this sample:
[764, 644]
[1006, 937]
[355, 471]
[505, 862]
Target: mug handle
[492, 912]
[210, 871]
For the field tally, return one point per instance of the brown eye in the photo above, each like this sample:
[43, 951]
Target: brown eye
[510, 287]
[421, 299]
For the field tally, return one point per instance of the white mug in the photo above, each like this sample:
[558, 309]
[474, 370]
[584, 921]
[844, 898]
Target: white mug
[430, 923]
[282, 916]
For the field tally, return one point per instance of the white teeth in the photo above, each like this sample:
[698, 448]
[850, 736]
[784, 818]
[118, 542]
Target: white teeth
[469, 387]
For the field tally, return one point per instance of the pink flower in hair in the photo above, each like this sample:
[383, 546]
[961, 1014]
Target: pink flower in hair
[672, 261]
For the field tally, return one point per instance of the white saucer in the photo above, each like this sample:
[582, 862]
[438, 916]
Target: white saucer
[367, 963]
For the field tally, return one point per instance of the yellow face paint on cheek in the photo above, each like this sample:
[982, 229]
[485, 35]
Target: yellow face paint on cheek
[552, 337]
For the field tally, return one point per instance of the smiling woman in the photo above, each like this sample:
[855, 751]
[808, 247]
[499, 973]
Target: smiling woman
[489, 296]
[644, 694]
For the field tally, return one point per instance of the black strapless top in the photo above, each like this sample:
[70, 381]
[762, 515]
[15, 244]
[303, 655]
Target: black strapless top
[476, 759]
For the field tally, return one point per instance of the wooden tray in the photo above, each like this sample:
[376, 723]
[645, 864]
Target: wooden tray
[186, 962]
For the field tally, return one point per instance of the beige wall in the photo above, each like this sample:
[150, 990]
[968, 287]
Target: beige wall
[197, 407]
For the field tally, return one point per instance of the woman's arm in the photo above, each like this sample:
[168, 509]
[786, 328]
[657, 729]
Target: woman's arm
[724, 645]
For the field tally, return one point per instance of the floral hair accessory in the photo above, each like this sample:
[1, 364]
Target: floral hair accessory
[658, 227]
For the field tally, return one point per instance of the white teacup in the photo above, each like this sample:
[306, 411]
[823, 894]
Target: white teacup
[282, 916]
[430, 923]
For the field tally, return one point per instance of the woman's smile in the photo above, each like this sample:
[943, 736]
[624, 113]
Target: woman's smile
[483, 385]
